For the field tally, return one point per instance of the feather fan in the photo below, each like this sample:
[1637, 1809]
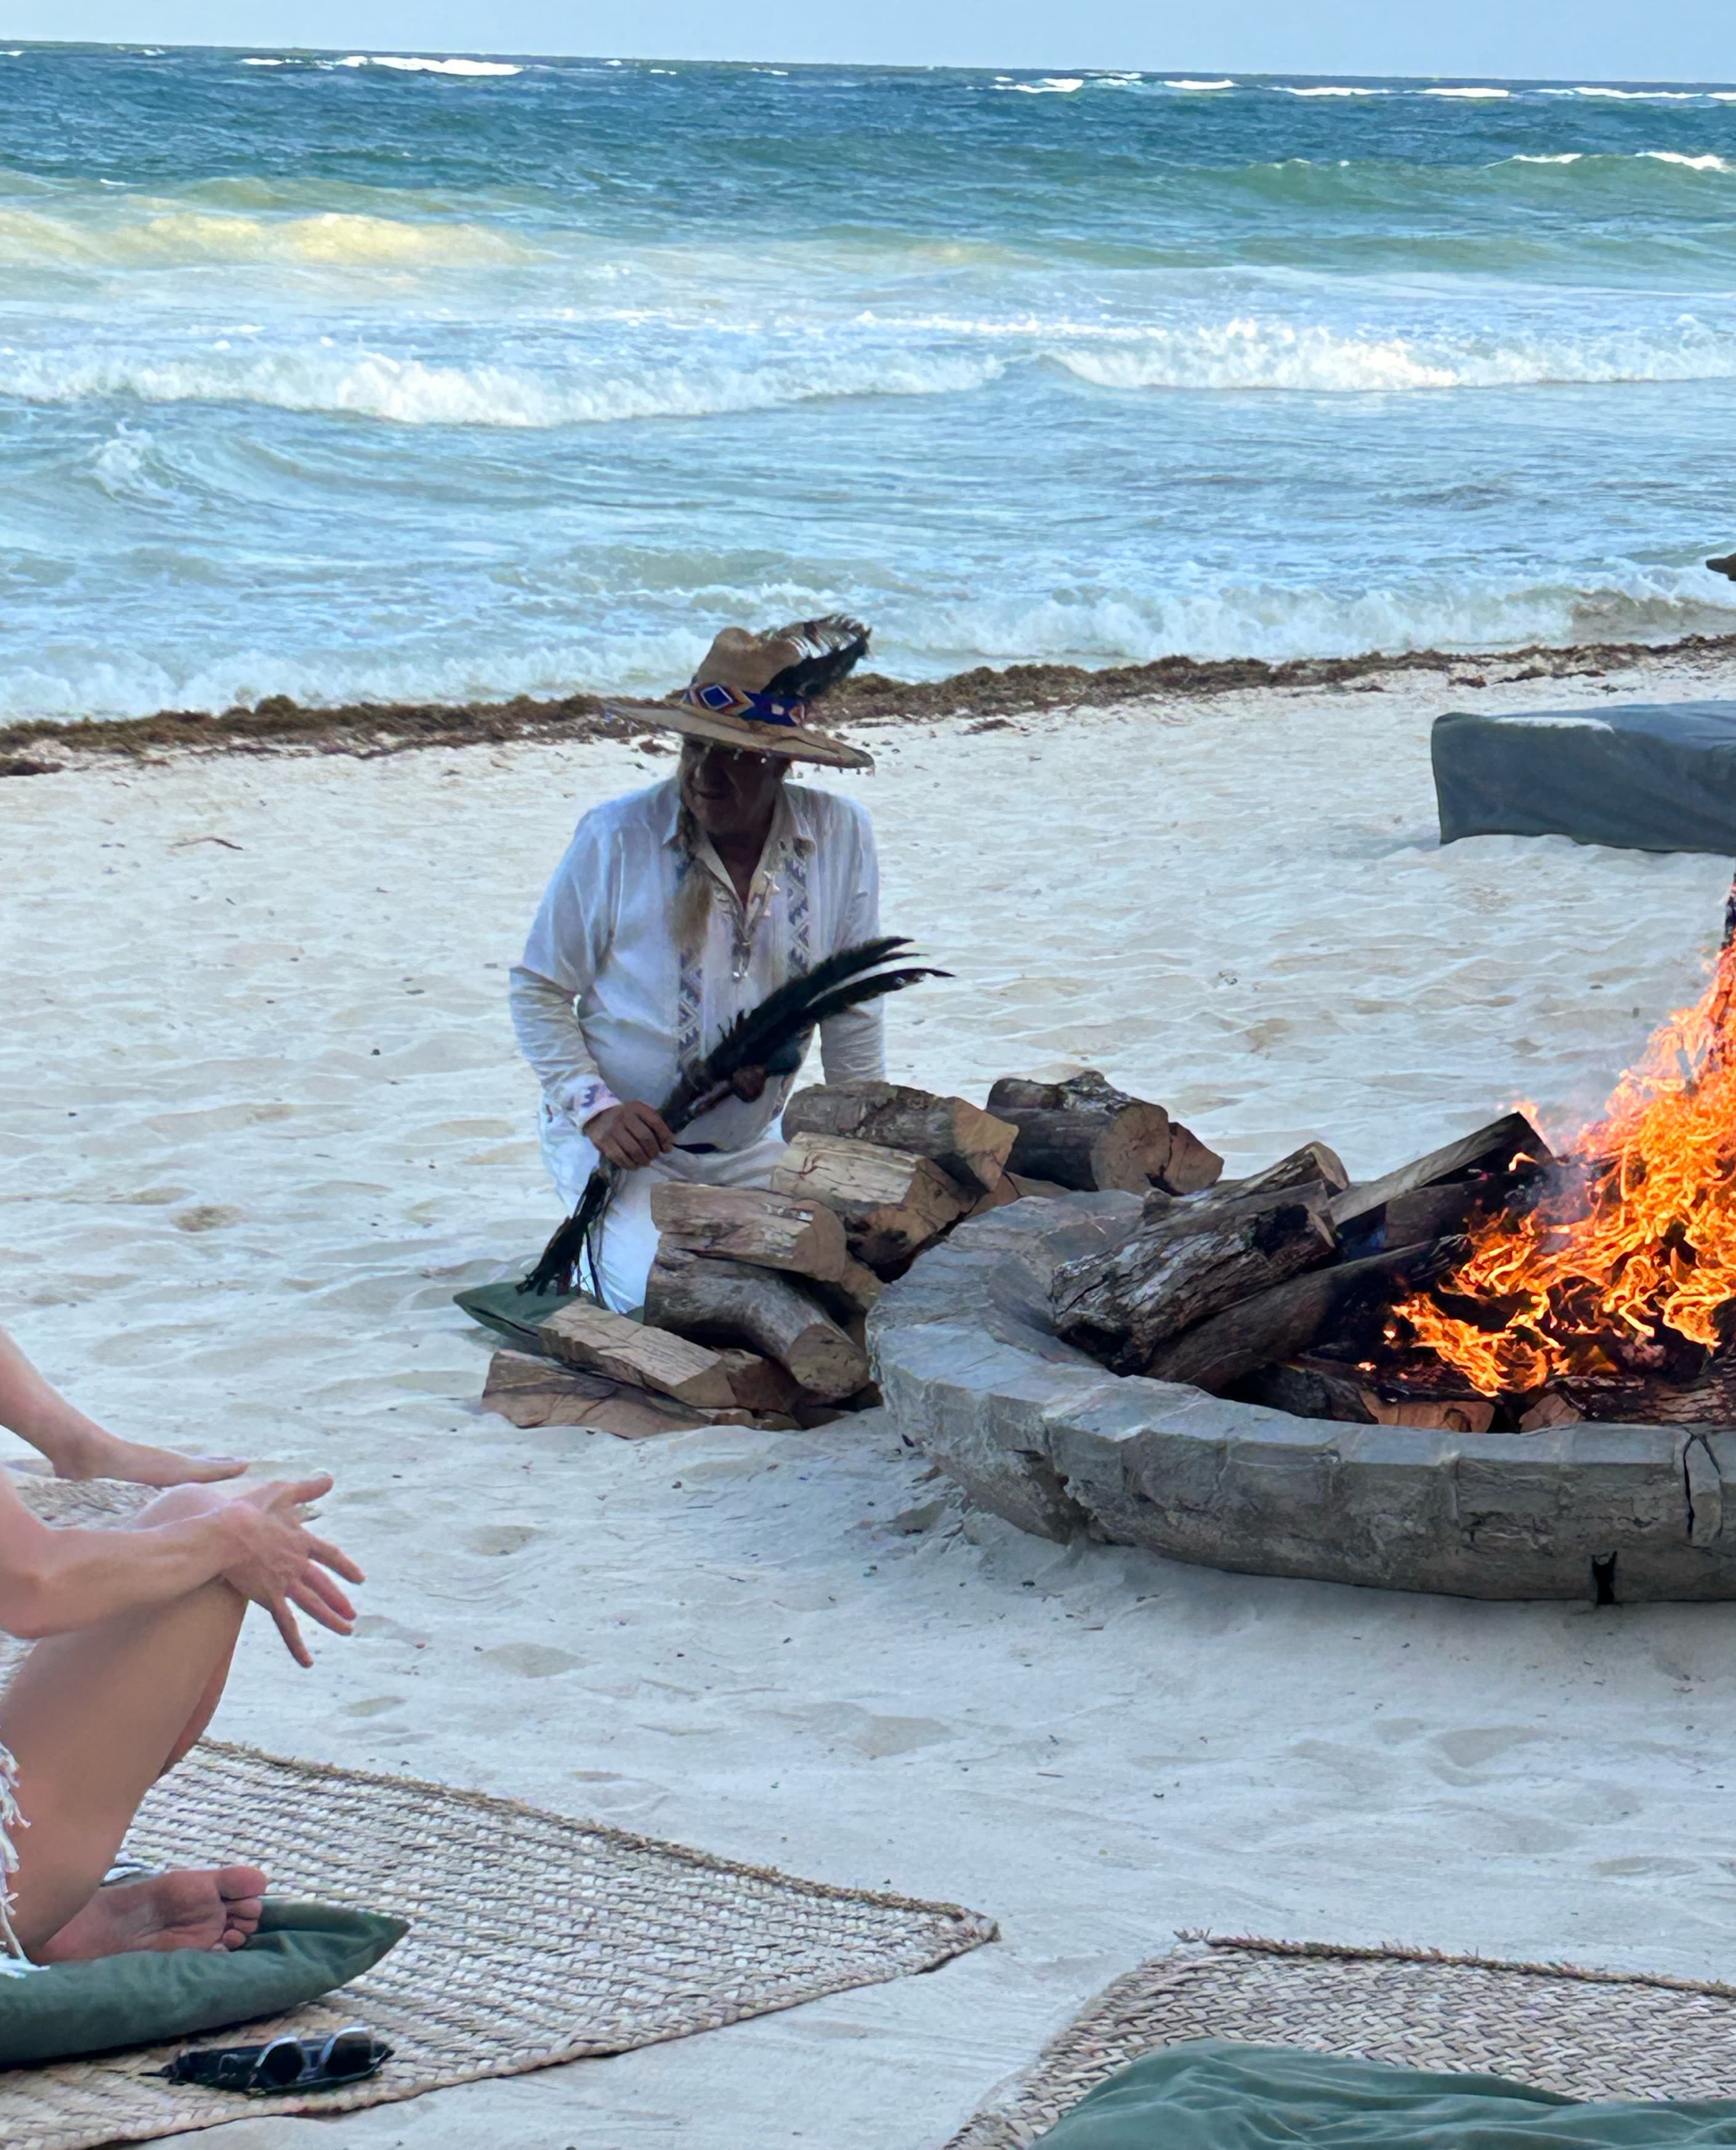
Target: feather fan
[769, 1039]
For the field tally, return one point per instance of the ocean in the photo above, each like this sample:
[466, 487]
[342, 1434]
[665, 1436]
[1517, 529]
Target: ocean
[379, 377]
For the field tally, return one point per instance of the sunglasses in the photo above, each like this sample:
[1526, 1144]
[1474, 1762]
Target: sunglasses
[285, 2064]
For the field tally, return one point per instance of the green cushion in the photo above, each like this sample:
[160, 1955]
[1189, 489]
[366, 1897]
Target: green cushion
[148, 1996]
[513, 1314]
[1211, 2095]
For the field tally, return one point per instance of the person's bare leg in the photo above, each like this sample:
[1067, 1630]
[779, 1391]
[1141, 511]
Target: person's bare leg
[93, 1719]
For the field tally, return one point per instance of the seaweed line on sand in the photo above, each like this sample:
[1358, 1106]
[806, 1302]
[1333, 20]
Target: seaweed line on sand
[39, 746]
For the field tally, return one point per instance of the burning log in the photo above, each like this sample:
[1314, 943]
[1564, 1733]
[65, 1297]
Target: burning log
[749, 1224]
[1185, 1264]
[1085, 1133]
[892, 1201]
[589, 1336]
[969, 1145]
[726, 1302]
[1436, 1194]
[1280, 1323]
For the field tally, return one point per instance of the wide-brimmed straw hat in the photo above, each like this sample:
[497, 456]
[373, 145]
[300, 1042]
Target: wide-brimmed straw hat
[753, 691]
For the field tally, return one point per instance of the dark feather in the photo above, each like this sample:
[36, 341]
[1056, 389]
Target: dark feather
[830, 647]
[768, 1035]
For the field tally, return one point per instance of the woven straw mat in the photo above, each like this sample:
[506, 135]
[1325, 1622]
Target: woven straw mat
[533, 1939]
[1585, 2033]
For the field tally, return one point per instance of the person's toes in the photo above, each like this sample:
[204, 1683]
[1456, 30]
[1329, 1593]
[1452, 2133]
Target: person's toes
[238, 1884]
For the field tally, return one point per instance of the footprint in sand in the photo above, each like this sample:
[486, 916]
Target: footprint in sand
[498, 1538]
[534, 1660]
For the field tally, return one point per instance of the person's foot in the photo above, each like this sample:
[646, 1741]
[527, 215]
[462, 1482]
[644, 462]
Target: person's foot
[90, 1453]
[210, 1907]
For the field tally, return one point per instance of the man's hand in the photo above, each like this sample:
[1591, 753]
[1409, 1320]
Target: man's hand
[630, 1135]
[283, 1565]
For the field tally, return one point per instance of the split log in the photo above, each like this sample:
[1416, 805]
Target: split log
[586, 1335]
[1313, 1165]
[1443, 1414]
[1552, 1408]
[728, 1303]
[1491, 1149]
[1184, 1266]
[761, 1384]
[892, 1201]
[749, 1224]
[1085, 1133]
[1285, 1320]
[849, 1297]
[534, 1392]
[969, 1145]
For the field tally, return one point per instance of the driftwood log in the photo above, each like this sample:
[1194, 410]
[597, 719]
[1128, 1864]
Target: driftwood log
[1185, 1264]
[726, 1302]
[750, 1224]
[892, 1201]
[969, 1145]
[590, 1337]
[1085, 1133]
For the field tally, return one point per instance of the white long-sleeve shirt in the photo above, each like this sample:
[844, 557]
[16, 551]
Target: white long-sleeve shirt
[606, 1007]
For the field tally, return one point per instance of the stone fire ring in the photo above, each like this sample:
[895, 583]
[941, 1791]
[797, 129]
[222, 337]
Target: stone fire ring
[972, 1371]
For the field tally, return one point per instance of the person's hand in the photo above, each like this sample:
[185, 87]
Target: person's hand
[283, 1566]
[87, 1451]
[630, 1135]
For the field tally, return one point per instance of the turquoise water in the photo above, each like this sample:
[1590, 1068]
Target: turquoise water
[369, 375]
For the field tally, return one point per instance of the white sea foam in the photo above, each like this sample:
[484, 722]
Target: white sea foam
[1638, 96]
[411, 65]
[1706, 163]
[410, 392]
[1250, 353]
[251, 60]
[1055, 85]
[1566, 157]
[1289, 89]
[1488, 93]
[1227, 82]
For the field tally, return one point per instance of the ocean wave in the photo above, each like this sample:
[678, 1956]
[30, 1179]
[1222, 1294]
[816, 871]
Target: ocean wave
[1184, 83]
[1488, 93]
[1636, 96]
[1061, 85]
[1218, 619]
[1249, 353]
[403, 64]
[1198, 612]
[410, 392]
[1708, 162]
[1334, 89]
[162, 238]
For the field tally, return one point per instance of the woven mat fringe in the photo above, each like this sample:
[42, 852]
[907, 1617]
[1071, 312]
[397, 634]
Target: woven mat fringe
[1585, 2033]
[534, 1939]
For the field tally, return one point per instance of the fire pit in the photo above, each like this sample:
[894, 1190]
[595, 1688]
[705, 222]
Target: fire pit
[1497, 1372]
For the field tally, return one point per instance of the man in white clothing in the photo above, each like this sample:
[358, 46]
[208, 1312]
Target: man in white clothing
[677, 908]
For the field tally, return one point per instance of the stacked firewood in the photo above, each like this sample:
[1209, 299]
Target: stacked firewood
[1275, 1288]
[755, 1305]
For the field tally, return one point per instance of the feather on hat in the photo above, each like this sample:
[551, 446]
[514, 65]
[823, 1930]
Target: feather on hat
[752, 691]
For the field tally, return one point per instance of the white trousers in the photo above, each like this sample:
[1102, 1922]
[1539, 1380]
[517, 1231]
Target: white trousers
[627, 1243]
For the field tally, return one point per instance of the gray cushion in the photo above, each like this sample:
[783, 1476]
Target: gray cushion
[1648, 776]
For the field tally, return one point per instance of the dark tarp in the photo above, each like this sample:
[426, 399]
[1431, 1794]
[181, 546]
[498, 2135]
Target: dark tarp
[1646, 777]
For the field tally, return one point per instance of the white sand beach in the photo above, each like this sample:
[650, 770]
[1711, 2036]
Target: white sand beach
[262, 1114]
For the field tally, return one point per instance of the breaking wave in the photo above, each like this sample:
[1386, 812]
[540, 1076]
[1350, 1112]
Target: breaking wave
[410, 64]
[1255, 354]
[407, 392]
[151, 237]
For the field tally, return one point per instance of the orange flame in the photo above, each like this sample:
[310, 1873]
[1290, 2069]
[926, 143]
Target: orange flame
[1633, 1245]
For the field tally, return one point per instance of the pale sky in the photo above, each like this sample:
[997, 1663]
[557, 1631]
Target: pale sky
[1605, 40]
